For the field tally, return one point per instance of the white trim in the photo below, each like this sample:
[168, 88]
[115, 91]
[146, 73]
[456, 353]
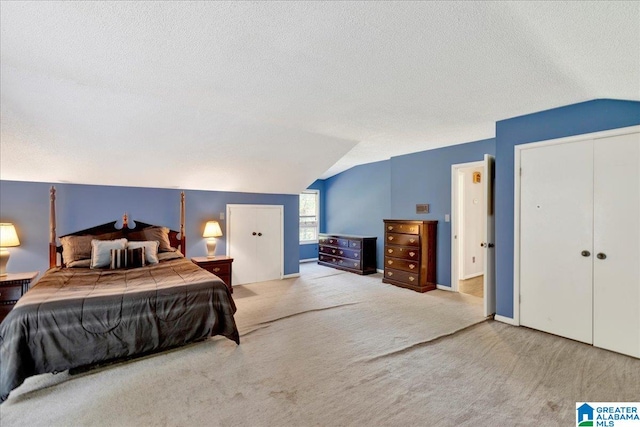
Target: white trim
[380, 271]
[454, 219]
[516, 201]
[290, 276]
[308, 260]
[445, 288]
[471, 276]
[506, 320]
[309, 242]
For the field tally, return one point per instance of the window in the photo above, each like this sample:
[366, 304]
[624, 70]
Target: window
[309, 216]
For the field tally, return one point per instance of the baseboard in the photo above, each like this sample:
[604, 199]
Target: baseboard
[444, 288]
[380, 271]
[290, 276]
[308, 260]
[507, 320]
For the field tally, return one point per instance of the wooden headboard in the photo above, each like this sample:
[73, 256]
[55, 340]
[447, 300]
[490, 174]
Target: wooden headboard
[177, 239]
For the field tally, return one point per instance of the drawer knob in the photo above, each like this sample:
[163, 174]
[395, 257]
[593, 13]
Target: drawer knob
[390, 237]
[389, 262]
[356, 255]
[355, 264]
[412, 266]
[341, 252]
[412, 240]
[389, 273]
[354, 245]
[333, 251]
[411, 279]
[390, 251]
[390, 227]
[216, 269]
[412, 253]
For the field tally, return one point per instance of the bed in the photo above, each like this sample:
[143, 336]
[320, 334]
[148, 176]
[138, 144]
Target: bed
[79, 314]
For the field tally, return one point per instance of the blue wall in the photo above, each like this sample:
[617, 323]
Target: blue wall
[586, 117]
[425, 177]
[310, 250]
[26, 204]
[357, 201]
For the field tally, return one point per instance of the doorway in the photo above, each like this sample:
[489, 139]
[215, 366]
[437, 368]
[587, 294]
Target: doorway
[472, 231]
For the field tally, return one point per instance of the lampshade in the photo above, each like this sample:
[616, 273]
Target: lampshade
[212, 229]
[8, 235]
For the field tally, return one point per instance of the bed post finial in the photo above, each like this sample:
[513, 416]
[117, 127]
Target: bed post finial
[53, 247]
[125, 221]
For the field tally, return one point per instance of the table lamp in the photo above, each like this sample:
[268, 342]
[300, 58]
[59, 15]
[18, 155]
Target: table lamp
[211, 231]
[8, 238]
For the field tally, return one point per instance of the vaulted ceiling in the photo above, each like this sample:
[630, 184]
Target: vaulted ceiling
[268, 96]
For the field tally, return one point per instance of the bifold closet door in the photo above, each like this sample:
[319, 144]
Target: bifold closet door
[556, 239]
[616, 263]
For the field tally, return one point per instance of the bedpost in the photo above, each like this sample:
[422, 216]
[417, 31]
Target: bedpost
[183, 247]
[53, 247]
[125, 221]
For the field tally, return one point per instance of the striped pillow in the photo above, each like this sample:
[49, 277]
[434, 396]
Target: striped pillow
[127, 258]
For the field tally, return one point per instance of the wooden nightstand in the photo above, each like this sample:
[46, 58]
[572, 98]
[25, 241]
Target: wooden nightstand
[220, 266]
[12, 287]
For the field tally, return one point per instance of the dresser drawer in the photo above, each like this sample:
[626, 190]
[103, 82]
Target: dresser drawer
[347, 243]
[349, 253]
[401, 276]
[10, 293]
[402, 264]
[402, 252]
[331, 250]
[349, 263]
[403, 228]
[402, 239]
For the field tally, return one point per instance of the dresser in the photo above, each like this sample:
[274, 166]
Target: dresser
[410, 254]
[356, 254]
[12, 287]
[220, 266]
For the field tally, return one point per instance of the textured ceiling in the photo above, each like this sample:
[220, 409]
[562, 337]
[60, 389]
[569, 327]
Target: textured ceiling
[267, 97]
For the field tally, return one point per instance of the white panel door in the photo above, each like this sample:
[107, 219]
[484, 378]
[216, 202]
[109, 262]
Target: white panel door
[267, 265]
[489, 280]
[255, 242]
[242, 244]
[616, 266]
[556, 239]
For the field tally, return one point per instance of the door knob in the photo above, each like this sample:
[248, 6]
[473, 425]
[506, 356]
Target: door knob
[254, 233]
[483, 245]
[601, 256]
[585, 253]
[259, 234]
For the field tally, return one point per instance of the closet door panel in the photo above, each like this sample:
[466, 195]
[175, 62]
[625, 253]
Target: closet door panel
[617, 236]
[267, 264]
[242, 244]
[556, 214]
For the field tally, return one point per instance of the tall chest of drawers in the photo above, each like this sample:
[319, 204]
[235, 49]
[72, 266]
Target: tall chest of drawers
[356, 254]
[410, 254]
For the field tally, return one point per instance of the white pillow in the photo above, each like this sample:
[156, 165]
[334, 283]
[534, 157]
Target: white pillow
[150, 249]
[101, 251]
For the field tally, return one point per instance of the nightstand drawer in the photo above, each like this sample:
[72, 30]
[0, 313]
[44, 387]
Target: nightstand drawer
[217, 269]
[10, 293]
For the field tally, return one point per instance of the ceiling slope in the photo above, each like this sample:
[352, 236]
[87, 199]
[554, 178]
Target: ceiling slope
[268, 96]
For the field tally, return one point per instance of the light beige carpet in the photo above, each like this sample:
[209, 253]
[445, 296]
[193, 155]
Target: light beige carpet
[340, 349]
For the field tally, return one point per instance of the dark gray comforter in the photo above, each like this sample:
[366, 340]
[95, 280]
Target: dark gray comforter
[76, 317]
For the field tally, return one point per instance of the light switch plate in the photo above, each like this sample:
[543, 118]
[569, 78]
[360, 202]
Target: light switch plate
[221, 215]
[447, 218]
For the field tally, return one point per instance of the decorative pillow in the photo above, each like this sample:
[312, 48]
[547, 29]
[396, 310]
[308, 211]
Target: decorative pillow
[160, 234]
[127, 258]
[76, 248]
[101, 251]
[166, 256]
[150, 250]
